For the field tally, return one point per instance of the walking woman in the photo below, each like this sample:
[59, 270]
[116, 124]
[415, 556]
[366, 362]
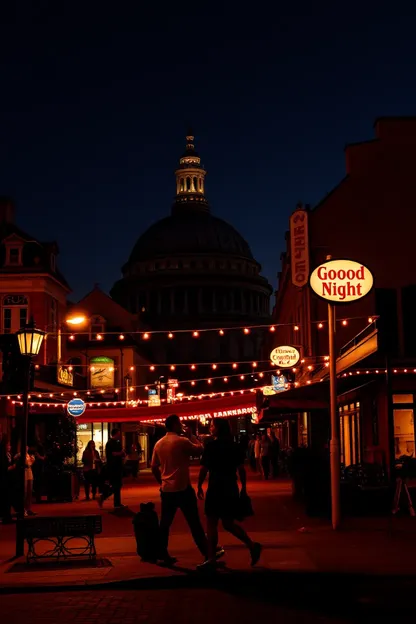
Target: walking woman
[222, 459]
[92, 464]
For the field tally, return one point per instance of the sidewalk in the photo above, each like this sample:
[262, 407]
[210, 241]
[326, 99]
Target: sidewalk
[292, 544]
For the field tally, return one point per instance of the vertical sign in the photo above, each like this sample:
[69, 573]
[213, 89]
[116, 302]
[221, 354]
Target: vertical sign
[299, 246]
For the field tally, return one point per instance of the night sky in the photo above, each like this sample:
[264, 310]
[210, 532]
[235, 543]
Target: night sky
[95, 103]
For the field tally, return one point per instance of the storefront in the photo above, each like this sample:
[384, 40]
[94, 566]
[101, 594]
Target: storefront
[134, 438]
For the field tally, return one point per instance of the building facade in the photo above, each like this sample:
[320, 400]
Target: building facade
[31, 288]
[368, 217]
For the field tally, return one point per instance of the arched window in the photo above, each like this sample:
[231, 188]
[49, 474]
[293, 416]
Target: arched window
[188, 184]
[181, 185]
[195, 184]
[14, 313]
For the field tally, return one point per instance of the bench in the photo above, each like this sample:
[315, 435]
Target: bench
[59, 531]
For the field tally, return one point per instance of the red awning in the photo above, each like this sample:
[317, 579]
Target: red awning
[228, 407]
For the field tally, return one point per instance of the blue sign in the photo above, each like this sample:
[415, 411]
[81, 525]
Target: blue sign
[75, 407]
[279, 383]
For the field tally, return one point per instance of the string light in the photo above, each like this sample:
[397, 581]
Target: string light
[170, 335]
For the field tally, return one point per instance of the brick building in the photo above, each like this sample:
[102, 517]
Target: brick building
[368, 217]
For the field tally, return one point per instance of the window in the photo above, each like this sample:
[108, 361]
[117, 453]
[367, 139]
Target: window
[14, 313]
[14, 256]
[53, 317]
[386, 308]
[404, 426]
[350, 434]
[97, 327]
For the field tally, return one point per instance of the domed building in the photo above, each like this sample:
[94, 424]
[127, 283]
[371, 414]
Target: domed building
[194, 270]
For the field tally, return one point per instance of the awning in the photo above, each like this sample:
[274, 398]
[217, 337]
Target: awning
[227, 407]
[310, 398]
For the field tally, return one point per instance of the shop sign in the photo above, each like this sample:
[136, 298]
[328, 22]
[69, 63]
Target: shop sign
[65, 377]
[341, 281]
[299, 247]
[102, 372]
[153, 398]
[279, 383]
[75, 407]
[241, 411]
[285, 357]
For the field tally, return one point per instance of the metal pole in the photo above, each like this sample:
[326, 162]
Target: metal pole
[20, 544]
[334, 443]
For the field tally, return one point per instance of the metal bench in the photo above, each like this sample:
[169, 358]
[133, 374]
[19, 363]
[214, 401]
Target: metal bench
[59, 531]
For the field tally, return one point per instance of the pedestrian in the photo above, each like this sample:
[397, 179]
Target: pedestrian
[251, 454]
[170, 467]
[30, 460]
[274, 454]
[265, 453]
[114, 469]
[92, 465]
[222, 459]
[257, 453]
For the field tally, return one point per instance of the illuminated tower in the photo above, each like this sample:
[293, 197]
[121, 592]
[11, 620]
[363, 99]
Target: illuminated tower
[190, 180]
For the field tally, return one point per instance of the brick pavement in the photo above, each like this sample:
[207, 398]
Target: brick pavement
[382, 545]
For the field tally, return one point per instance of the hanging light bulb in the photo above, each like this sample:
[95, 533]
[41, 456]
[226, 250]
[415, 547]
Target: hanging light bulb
[170, 335]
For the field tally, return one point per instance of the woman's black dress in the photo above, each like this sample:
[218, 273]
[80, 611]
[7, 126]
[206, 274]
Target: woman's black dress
[222, 458]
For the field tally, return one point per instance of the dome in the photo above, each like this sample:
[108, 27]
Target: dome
[190, 233]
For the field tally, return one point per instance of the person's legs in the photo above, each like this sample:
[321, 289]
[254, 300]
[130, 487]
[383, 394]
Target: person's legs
[169, 507]
[28, 495]
[94, 482]
[87, 484]
[237, 530]
[266, 467]
[212, 537]
[189, 506]
[116, 484]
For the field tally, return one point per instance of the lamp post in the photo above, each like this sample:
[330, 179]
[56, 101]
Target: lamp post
[30, 340]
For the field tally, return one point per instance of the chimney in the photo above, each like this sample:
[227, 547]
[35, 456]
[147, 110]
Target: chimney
[6, 210]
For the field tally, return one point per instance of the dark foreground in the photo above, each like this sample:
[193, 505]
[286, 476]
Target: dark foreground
[310, 597]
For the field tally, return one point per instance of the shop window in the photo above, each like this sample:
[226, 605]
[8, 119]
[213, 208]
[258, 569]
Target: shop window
[404, 432]
[350, 434]
[403, 398]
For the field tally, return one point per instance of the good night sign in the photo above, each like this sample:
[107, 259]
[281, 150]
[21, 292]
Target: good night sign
[341, 281]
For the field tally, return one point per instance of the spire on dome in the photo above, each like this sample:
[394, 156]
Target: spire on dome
[190, 179]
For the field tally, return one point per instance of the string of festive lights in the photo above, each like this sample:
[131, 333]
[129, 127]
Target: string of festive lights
[172, 367]
[192, 382]
[135, 402]
[197, 332]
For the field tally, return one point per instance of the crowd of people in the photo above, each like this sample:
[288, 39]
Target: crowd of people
[264, 454]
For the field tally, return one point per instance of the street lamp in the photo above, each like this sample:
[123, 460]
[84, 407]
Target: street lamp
[30, 341]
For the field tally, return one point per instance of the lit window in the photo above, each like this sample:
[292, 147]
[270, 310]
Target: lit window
[402, 398]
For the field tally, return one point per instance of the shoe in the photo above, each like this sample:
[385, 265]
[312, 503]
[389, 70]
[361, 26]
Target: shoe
[255, 553]
[207, 566]
[168, 561]
[220, 552]
[100, 501]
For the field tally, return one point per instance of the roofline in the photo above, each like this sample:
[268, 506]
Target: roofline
[335, 188]
[394, 118]
[347, 145]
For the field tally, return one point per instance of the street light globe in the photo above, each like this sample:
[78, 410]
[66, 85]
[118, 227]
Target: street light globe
[79, 319]
[30, 340]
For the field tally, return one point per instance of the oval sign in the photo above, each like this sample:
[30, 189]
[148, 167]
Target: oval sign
[341, 281]
[75, 407]
[285, 357]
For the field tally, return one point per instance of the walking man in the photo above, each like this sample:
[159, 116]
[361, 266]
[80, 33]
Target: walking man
[114, 468]
[170, 467]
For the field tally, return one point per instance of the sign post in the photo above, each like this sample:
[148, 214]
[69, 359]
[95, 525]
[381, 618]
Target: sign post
[338, 281]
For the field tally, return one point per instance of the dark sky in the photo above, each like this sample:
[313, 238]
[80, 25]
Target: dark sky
[95, 99]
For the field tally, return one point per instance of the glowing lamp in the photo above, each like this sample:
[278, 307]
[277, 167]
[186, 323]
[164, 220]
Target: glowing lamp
[30, 340]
